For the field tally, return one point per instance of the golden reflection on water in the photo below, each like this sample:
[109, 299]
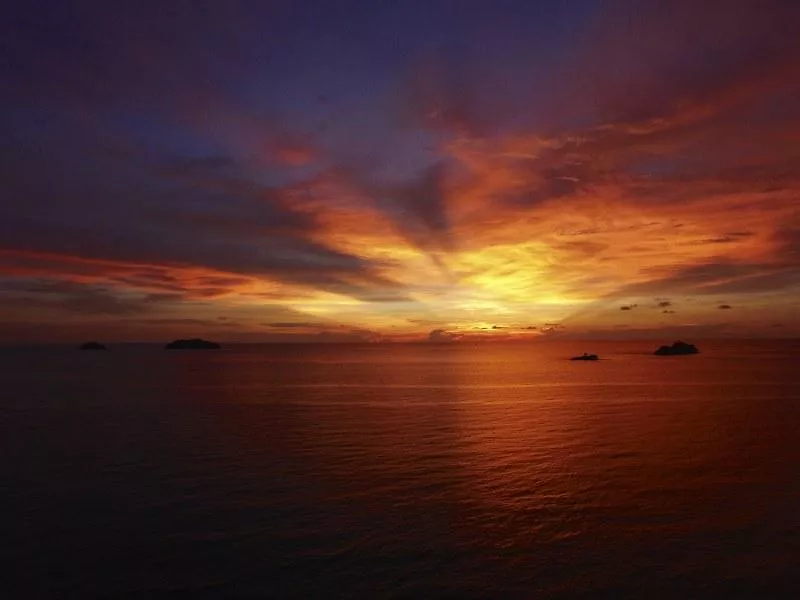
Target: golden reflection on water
[506, 470]
[519, 447]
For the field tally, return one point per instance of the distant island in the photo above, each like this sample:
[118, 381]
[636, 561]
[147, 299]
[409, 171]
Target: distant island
[677, 349]
[92, 346]
[586, 356]
[192, 344]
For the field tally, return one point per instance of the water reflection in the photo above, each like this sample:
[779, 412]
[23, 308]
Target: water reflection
[418, 471]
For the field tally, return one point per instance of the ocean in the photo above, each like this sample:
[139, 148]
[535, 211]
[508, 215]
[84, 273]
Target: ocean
[401, 471]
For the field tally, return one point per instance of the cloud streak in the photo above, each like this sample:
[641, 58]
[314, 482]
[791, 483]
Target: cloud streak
[449, 188]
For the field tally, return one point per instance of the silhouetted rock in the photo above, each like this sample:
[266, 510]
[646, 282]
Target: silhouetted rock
[586, 356]
[92, 346]
[677, 349]
[193, 344]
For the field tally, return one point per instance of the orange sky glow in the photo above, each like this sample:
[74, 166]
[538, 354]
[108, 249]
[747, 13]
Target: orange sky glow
[638, 196]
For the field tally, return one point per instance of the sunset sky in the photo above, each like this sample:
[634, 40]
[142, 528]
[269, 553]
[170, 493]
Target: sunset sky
[290, 170]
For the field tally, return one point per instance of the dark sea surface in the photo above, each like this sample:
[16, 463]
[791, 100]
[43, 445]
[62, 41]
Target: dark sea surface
[401, 471]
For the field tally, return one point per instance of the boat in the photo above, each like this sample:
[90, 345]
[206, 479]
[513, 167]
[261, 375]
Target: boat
[586, 356]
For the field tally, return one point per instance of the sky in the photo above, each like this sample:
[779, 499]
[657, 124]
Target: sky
[442, 170]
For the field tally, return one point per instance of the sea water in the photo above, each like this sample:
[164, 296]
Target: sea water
[401, 471]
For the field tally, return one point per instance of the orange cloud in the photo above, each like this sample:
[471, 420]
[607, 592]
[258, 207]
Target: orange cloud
[656, 177]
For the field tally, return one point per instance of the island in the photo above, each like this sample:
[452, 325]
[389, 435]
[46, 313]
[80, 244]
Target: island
[677, 349]
[92, 346]
[192, 344]
[586, 356]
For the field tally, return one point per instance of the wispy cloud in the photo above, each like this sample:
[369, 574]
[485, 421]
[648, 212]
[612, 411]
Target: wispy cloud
[459, 192]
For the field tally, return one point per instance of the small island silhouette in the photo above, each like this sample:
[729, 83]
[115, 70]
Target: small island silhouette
[586, 356]
[679, 348]
[92, 346]
[192, 344]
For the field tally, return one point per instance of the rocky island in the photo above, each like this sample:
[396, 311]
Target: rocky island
[192, 344]
[677, 349]
[92, 346]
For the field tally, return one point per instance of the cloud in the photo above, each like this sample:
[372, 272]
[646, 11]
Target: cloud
[652, 160]
[441, 335]
[164, 281]
[717, 277]
[75, 298]
[192, 168]
[294, 151]
[181, 321]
